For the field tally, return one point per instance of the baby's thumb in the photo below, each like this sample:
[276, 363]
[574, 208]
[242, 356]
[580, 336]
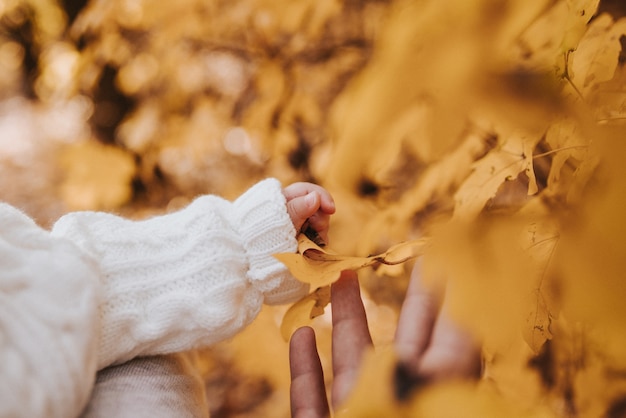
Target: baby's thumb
[302, 208]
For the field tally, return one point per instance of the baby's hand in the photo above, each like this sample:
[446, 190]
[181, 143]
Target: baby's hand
[312, 203]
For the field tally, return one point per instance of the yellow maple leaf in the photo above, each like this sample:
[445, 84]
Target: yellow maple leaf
[435, 183]
[580, 13]
[304, 310]
[566, 139]
[574, 158]
[597, 55]
[539, 242]
[502, 164]
[321, 267]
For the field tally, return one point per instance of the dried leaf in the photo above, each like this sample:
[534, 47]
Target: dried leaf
[317, 271]
[321, 267]
[502, 164]
[580, 13]
[539, 242]
[435, 183]
[566, 139]
[574, 159]
[402, 252]
[537, 330]
[597, 54]
[303, 311]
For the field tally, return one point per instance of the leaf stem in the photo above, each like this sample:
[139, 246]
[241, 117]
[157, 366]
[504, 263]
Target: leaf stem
[543, 154]
[610, 119]
[566, 76]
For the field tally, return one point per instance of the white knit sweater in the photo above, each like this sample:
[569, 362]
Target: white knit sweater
[99, 290]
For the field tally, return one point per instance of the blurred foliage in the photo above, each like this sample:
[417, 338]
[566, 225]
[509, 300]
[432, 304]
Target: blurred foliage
[493, 127]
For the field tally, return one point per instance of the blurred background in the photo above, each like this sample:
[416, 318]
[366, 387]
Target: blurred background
[138, 106]
[134, 105]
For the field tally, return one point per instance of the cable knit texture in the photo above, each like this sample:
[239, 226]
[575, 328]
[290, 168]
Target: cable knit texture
[99, 290]
[190, 278]
[48, 321]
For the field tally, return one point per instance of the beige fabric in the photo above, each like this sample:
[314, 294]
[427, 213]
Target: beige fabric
[150, 387]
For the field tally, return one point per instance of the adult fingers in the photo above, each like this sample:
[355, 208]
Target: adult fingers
[453, 351]
[308, 393]
[417, 319]
[350, 334]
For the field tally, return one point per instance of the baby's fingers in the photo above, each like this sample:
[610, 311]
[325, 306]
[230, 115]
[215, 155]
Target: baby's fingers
[310, 207]
[302, 208]
[295, 190]
[319, 223]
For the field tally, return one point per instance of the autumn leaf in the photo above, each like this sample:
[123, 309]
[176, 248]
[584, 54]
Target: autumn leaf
[304, 310]
[597, 55]
[502, 164]
[433, 185]
[574, 158]
[321, 267]
[567, 141]
[539, 242]
[538, 327]
[579, 14]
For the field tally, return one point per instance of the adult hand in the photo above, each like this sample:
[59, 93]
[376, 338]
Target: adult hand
[429, 345]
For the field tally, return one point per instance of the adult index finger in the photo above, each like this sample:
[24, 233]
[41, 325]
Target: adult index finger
[308, 392]
[351, 334]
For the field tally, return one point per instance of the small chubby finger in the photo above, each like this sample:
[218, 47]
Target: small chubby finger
[327, 204]
[302, 208]
[320, 222]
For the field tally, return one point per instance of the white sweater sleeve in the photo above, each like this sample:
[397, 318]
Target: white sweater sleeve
[48, 321]
[190, 278]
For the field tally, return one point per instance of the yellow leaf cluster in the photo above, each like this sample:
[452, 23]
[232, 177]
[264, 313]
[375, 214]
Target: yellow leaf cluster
[539, 95]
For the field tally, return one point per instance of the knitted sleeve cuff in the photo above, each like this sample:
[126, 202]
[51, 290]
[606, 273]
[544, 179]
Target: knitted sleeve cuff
[266, 229]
